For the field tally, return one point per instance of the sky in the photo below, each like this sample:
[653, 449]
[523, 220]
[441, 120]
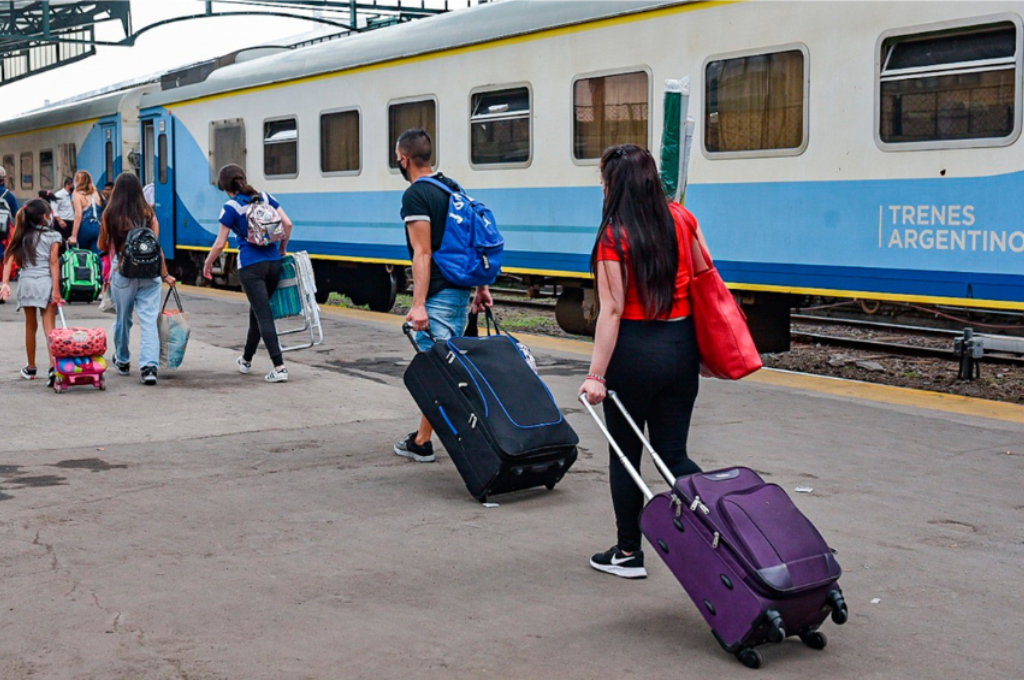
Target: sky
[158, 50]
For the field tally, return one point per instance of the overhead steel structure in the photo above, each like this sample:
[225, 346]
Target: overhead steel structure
[41, 35]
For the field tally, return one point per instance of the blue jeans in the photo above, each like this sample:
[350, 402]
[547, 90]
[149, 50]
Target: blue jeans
[448, 312]
[89, 235]
[143, 297]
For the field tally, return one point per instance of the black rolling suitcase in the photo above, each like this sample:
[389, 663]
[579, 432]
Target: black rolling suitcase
[494, 415]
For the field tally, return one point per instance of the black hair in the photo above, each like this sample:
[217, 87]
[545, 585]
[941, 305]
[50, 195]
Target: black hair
[636, 213]
[231, 179]
[417, 145]
[67, 181]
[31, 221]
[126, 210]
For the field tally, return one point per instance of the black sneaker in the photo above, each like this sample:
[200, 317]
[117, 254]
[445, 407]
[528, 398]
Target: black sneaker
[29, 372]
[614, 562]
[51, 377]
[123, 368]
[410, 449]
[147, 375]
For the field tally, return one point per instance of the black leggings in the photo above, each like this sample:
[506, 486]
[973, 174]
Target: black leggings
[655, 371]
[259, 281]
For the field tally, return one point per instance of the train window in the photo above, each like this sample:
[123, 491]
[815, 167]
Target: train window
[26, 170]
[148, 152]
[281, 148]
[756, 104]
[9, 169]
[67, 160]
[46, 169]
[409, 115]
[227, 145]
[109, 161]
[609, 110]
[339, 142]
[162, 159]
[500, 127]
[948, 85]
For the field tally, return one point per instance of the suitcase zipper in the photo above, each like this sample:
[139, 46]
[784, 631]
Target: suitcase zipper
[697, 504]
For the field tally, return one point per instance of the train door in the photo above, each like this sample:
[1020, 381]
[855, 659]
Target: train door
[111, 136]
[158, 170]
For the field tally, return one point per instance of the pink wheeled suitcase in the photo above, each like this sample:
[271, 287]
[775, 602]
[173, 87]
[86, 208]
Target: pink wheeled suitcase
[78, 356]
[75, 371]
[752, 563]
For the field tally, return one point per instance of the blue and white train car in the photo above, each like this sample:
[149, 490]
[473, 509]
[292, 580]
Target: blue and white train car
[849, 149]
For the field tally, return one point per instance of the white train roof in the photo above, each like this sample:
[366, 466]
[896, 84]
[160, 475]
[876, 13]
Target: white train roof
[62, 114]
[480, 24]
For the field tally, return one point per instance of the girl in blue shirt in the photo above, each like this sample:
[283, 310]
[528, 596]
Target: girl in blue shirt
[259, 267]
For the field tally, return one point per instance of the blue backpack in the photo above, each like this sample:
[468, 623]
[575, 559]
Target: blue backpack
[470, 252]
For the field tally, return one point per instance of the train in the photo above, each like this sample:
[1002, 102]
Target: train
[846, 149]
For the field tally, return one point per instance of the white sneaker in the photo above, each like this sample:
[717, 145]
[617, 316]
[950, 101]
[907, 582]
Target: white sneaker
[243, 366]
[276, 375]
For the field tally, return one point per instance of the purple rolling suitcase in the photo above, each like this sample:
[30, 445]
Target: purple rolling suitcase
[756, 568]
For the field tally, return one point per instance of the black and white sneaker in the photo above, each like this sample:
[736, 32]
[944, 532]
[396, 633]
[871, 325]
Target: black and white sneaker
[51, 377]
[123, 367]
[147, 375]
[29, 372]
[410, 449]
[614, 562]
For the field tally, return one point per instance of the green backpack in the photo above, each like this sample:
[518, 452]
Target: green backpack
[287, 299]
[81, 275]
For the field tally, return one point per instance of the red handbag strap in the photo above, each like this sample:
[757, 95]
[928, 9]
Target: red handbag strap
[689, 224]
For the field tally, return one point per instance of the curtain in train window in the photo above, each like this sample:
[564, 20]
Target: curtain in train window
[500, 127]
[46, 169]
[944, 86]
[162, 158]
[339, 141]
[67, 161]
[755, 103]
[402, 117]
[27, 178]
[227, 145]
[610, 110]
[9, 169]
[281, 148]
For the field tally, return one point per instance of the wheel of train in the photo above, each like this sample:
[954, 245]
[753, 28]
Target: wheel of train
[570, 312]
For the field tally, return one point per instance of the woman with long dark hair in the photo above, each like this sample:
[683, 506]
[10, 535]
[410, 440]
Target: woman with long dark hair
[34, 247]
[86, 200]
[128, 210]
[259, 266]
[645, 346]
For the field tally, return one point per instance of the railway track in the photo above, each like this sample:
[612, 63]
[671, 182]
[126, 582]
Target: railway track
[888, 347]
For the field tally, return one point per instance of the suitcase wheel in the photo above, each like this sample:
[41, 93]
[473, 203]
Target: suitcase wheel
[550, 486]
[776, 627]
[750, 658]
[814, 639]
[840, 612]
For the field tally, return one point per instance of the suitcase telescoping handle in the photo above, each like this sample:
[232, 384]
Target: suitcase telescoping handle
[60, 313]
[648, 495]
[666, 474]
[409, 333]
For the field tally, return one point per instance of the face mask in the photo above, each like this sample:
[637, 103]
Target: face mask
[404, 169]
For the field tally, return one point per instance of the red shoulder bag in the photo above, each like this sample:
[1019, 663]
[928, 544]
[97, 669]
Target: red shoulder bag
[727, 350]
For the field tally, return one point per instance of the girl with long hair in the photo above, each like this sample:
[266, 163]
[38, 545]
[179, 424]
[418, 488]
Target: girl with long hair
[86, 201]
[645, 345]
[259, 267]
[128, 210]
[35, 248]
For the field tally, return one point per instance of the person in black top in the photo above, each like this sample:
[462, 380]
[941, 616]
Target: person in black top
[437, 305]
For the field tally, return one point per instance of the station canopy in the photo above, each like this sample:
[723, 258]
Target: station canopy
[41, 35]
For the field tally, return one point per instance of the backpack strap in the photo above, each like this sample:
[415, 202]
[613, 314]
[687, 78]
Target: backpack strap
[437, 183]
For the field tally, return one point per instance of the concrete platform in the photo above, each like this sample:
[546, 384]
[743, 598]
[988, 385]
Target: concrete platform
[217, 527]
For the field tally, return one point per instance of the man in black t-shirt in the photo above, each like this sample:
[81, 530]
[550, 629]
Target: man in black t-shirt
[436, 304]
